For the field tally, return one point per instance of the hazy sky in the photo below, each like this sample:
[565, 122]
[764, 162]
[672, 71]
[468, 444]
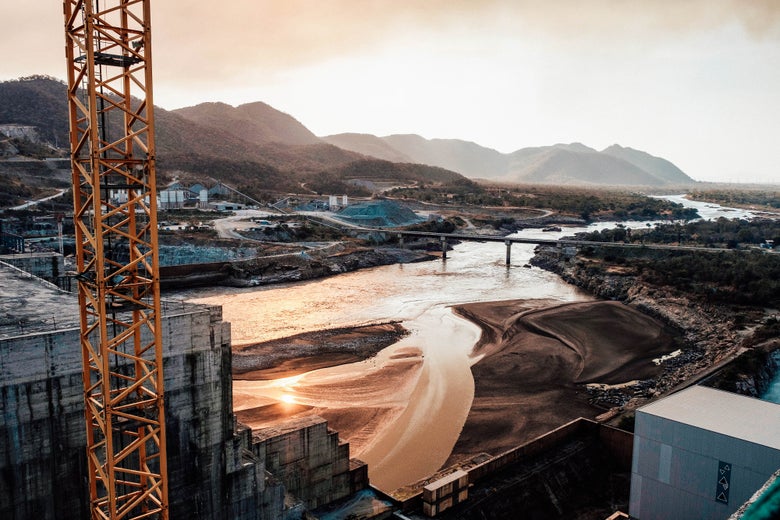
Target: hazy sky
[694, 81]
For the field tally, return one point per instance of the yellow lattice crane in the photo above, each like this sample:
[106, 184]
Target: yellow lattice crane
[108, 51]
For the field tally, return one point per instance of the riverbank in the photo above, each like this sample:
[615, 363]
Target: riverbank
[713, 333]
[289, 267]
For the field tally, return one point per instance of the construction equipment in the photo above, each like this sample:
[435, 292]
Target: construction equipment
[108, 50]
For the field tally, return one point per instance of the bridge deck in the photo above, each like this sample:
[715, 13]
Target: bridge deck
[558, 242]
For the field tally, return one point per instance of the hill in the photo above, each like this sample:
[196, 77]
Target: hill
[657, 166]
[368, 144]
[368, 176]
[279, 141]
[464, 157]
[38, 101]
[253, 146]
[570, 164]
[576, 164]
[257, 123]
[262, 146]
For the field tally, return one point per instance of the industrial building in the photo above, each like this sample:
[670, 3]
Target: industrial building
[701, 453]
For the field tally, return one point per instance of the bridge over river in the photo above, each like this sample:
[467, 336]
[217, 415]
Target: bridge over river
[561, 243]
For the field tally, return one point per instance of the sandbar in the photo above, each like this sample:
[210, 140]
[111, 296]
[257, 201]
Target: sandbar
[529, 367]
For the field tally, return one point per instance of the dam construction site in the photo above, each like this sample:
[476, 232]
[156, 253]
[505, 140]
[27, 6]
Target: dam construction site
[298, 467]
[220, 468]
[534, 384]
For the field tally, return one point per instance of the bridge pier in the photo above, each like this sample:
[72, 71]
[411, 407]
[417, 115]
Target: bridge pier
[400, 241]
[443, 248]
[508, 251]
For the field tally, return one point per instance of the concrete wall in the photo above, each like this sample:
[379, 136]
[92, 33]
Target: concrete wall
[616, 442]
[676, 469]
[579, 446]
[48, 266]
[213, 471]
[310, 460]
[571, 472]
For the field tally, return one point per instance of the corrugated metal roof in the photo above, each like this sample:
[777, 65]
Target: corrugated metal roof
[722, 412]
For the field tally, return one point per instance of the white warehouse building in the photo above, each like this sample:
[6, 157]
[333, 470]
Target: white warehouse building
[701, 453]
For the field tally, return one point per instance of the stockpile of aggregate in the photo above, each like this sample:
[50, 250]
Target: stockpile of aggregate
[382, 213]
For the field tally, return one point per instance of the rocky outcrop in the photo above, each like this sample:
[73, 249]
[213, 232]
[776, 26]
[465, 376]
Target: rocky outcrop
[752, 373]
[265, 270]
[262, 271]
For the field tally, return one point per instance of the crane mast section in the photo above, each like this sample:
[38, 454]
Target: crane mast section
[108, 53]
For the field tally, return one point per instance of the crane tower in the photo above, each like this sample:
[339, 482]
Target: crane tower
[108, 52]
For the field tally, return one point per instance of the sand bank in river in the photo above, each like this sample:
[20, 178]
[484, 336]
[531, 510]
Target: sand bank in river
[529, 366]
[536, 362]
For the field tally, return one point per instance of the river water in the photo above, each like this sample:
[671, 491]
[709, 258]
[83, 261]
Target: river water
[420, 438]
[418, 295]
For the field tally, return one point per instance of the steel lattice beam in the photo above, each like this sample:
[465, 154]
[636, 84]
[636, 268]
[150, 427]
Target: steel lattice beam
[108, 51]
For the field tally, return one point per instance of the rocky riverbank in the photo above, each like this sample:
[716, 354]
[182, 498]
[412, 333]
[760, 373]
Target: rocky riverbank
[291, 267]
[712, 334]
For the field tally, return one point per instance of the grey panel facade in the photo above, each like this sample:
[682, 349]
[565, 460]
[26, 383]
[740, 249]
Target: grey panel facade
[684, 470]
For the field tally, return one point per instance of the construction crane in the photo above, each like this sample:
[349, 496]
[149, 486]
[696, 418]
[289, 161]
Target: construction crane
[108, 51]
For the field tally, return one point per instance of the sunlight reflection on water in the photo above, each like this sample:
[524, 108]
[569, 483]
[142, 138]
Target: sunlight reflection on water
[420, 438]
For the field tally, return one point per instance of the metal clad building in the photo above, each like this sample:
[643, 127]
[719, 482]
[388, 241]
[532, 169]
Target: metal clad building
[701, 453]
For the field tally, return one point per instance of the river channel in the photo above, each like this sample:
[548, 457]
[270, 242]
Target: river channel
[433, 407]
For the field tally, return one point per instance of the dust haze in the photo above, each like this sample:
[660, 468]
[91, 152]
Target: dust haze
[204, 39]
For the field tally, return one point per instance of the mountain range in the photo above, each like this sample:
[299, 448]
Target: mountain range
[560, 163]
[258, 145]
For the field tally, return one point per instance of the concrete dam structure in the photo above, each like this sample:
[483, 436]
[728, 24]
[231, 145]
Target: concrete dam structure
[217, 467]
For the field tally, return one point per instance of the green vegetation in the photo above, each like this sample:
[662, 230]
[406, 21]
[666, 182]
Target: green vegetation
[588, 204]
[724, 277]
[600, 204]
[709, 233]
[39, 101]
[28, 148]
[769, 330]
[727, 277]
[733, 197]
[14, 191]
[376, 169]
[259, 181]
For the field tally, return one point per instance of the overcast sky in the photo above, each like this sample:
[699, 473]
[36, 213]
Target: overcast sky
[694, 81]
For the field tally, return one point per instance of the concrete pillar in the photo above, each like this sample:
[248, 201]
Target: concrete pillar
[400, 241]
[443, 248]
[508, 251]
